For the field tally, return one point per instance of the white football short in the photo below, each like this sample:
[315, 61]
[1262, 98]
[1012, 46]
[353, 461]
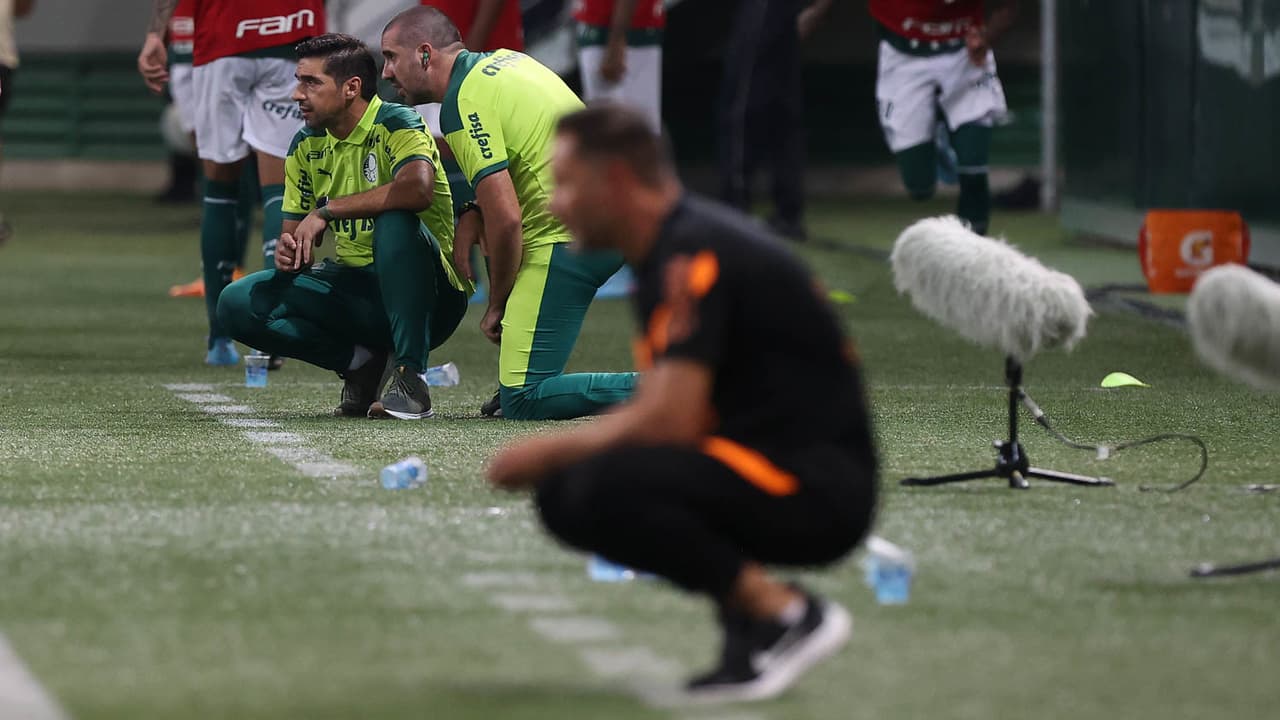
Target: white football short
[910, 89]
[182, 89]
[430, 113]
[640, 87]
[245, 103]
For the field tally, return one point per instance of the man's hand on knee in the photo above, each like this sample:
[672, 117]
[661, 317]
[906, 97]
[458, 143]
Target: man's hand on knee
[288, 258]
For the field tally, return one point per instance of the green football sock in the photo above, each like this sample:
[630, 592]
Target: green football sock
[919, 167]
[272, 217]
[248, 200]
[972, 143]
[217, 246]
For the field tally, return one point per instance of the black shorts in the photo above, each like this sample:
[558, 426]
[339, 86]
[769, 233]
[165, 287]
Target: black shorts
[6, 87]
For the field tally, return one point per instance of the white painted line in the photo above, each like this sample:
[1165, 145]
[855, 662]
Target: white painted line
[617, 662]
[204, 397]
[311, 463]
[248, 423]
[273, 438]
[21, 694]
[286, 446]
[330, 469]
[189, 387]
[531, 602]
[574, 629]
[495, 579]
[227, 409]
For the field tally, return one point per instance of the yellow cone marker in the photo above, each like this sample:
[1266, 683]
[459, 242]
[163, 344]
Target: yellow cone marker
[1119, 379]
[840, 297]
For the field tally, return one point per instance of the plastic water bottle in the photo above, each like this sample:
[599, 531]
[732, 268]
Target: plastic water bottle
[601, 570]
[445, 375]
[888, 571]
[405, 474]
[255, 369]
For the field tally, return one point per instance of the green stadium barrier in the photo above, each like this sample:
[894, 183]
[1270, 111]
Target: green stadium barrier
[86, 106]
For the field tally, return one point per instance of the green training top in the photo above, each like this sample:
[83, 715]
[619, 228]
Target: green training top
[320, 166]
[500, 113]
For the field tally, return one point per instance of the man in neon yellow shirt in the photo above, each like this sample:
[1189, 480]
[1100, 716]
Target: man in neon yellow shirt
[498, 114]
[367, 171]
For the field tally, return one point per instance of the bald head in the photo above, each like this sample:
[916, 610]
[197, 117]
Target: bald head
[424, 25]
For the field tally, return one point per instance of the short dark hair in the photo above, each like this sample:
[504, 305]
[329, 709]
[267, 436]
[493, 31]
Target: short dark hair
[609, 130]
[345, 57]
[426, 24]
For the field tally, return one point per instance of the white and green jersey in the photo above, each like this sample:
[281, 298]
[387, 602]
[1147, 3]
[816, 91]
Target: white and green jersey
[320, 166]
[500, 113]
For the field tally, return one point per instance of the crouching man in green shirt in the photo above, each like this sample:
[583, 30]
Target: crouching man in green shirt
[368, 171]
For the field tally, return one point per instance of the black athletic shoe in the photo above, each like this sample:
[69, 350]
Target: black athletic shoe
[493, 408]
[407, 397]
[761, 659]
[360, 387]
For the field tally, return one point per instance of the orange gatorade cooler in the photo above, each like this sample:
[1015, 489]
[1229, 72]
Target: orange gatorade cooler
[1175, 246]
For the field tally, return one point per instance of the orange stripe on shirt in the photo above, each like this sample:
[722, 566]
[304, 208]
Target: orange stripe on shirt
[754, 467]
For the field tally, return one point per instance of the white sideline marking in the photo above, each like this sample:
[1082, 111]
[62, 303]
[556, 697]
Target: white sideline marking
[226, 409]
[248, 423]
[311, 463]
[21, 694]
[574, 629]
[531, 603]
[499, 579]
[273, 438]
[286, 446]
[189, 387]
[615, 662]
[204, 397]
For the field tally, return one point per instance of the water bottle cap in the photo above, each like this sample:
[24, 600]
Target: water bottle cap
[880, 547]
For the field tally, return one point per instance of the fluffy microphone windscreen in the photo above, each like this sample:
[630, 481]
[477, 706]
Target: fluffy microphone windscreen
[986, 290]
[1234, 315]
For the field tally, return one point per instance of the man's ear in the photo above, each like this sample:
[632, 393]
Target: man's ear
[351, 88]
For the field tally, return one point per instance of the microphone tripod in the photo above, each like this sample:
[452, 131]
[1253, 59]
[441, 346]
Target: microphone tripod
[1011, 460]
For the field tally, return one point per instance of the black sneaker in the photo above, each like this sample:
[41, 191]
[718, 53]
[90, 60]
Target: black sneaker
[493, 408]
[761, 659]
[407, 396]
[360, 387]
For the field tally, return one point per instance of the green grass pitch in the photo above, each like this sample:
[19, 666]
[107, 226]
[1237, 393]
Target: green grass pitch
[154, 563]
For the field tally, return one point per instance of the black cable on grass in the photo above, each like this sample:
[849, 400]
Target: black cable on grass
[1105, 451]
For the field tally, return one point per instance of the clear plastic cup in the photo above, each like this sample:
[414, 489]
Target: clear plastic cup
[889, 570]
[255, 369]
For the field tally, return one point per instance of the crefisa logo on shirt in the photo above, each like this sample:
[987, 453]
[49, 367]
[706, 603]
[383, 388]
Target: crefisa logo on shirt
[481, 137]
[371, 168]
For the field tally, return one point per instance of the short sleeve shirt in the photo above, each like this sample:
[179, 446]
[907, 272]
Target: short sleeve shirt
[320, 166]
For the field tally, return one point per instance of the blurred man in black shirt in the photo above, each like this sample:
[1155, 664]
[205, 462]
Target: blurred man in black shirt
[722, 462]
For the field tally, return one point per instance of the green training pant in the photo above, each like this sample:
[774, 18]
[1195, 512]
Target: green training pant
[554, 287]
[402, 303]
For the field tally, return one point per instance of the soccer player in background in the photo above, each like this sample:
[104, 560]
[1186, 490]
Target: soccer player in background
[243, 75]
[181, 42]
[498, 113]
[9, 11]
[935, 58]
[620, 53]
[721, 463]
[620, 59]
[367, 170]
